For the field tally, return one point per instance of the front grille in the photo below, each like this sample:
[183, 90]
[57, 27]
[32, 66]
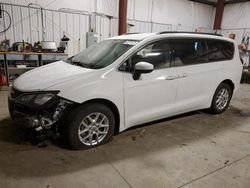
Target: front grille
[14, 93]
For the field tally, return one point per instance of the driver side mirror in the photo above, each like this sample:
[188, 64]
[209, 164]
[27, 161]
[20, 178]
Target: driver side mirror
[142, 68]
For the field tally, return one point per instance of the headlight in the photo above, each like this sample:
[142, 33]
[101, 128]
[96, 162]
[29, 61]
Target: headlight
[36, 99]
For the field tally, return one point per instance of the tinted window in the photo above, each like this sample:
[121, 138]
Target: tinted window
[189, 51]
[158, 54]
[220, 50]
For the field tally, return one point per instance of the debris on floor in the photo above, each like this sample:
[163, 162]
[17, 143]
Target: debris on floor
[182, 145]
[133, 138]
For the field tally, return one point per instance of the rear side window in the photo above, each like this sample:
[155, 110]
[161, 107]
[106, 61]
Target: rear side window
[220, 50]
[189, 51]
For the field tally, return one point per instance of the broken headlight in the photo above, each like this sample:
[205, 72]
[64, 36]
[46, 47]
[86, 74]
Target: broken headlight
[36, 99]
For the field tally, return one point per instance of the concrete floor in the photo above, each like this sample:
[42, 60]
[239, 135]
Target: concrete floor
[193, 150]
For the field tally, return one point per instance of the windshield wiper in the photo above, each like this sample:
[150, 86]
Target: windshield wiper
[80, 64]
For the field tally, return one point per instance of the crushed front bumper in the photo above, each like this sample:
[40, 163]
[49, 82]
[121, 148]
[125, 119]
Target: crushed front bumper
[42, 119]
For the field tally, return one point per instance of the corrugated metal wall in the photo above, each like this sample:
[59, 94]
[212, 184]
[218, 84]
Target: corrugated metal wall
[138, 26]
[103, 27]
[27, 25]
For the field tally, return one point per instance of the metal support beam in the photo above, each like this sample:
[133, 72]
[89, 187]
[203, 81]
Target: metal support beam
[219, 14]
[122, 16]
[235, 1]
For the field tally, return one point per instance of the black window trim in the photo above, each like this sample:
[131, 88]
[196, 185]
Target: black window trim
[206, 39]
[172, 63]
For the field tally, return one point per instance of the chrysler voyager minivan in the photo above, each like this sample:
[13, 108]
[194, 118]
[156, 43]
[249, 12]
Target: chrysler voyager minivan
[125, 81]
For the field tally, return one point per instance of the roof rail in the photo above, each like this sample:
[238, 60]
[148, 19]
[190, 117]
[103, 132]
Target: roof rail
[131, 33]
[188, 32]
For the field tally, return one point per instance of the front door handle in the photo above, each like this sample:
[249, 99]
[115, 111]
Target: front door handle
[170, 78]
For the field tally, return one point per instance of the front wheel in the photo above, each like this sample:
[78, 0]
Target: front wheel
[88, 126]
[221, 99]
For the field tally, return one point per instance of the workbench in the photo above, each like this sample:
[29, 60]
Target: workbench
[36, 59]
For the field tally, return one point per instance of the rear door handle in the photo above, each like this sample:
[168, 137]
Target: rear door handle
[183, 75]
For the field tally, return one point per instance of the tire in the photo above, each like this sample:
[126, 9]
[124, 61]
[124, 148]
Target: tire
[83, 125]
[217, 108]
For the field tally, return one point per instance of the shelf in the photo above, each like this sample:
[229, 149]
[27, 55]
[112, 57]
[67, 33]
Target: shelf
[33, 53]
[32, 58]
[26, 68]
[15, 68]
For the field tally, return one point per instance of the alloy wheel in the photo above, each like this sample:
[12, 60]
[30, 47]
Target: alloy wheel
[222, 98]
[93, 128]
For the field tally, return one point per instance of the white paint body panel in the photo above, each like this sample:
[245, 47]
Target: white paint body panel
[138, 101]
[49, 75]
[151, 97]
[195, 86]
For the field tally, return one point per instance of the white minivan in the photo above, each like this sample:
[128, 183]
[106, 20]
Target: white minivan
[125, 81]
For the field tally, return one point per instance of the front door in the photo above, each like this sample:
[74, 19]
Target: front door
[153, 95]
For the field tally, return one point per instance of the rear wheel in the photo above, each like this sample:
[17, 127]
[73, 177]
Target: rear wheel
[221, 98]
[89, 126]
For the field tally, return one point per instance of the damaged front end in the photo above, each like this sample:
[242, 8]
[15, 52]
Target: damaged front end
[41, 111]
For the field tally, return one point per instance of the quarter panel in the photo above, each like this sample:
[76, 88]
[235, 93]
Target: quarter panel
[231, 70]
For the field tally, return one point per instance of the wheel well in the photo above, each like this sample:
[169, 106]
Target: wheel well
[112, 106]
[230, 83]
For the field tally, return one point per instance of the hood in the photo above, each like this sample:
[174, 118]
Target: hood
[49, 75]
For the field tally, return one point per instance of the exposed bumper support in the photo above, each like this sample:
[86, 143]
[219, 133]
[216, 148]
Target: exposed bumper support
[43, 120]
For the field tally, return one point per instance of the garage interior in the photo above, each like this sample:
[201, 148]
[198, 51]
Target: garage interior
[192, 150]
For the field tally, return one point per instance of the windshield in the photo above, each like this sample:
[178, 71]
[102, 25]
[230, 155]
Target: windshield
[101, 54]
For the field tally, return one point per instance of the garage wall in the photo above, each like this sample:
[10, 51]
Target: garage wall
[236, 20]
[72, 18]
[109, 7]
[180, 14]
[26, 25]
